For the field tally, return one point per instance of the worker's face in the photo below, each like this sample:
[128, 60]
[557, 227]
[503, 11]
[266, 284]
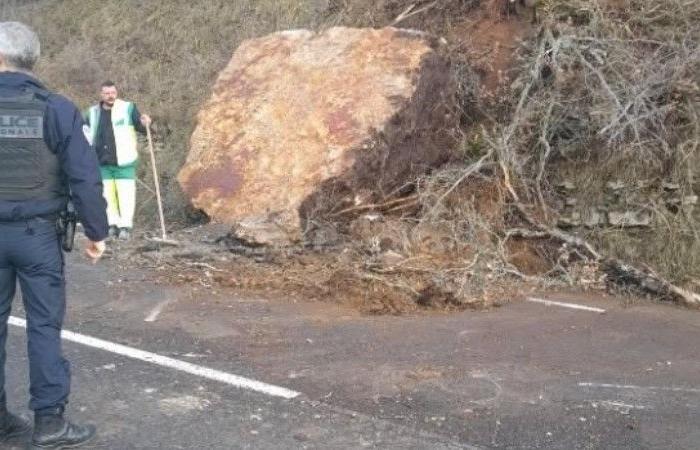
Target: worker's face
[108, 95]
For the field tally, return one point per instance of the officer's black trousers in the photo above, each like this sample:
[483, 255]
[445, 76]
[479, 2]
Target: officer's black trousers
[30, 252]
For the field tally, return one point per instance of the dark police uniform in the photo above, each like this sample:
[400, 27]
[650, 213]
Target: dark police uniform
[43, 155]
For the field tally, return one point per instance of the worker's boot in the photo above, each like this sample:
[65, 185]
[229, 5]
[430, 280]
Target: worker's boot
[124, 234]
[113, 231]
[12, 426]
[53, 431]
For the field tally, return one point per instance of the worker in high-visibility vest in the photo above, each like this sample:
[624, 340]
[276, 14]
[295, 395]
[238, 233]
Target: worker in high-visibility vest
[113, 124]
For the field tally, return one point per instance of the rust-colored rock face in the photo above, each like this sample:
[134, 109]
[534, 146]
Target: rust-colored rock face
[302, 124]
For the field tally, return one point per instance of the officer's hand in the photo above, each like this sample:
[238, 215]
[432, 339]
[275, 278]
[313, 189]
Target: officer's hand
[94, 250]
[145, 120]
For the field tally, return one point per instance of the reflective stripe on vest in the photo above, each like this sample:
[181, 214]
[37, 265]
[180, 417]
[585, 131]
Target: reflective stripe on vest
[124, 131]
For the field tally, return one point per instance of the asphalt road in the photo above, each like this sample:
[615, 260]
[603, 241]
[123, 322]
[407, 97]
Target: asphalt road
[522, 376]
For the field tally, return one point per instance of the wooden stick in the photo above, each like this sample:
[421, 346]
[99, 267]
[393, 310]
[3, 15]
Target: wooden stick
[156, 182]
[408, 12]
[391, 204]
[403, 15]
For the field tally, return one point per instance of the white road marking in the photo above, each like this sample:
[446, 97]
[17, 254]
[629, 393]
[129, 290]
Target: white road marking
[564, 305]
[164, 361]
[156, 311]
[621, 407]
[183, 405]
[642, 388]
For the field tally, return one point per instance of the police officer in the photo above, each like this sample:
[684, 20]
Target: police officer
[44, 155]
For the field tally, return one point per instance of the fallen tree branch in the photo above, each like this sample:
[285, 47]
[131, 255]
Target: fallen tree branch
[624, 273]
[477, 166]
[544, 140]
[618, 271]
[408, 12]
[527, 234]
[403, 14]
[386, 206]
[558, 234]
[204, 266]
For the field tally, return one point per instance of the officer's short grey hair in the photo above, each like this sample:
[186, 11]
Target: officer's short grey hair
[19, 45]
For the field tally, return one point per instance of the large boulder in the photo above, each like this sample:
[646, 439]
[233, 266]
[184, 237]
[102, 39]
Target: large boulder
[301, 125]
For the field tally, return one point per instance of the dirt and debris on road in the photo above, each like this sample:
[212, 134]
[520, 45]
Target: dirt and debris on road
[372, 276]
[385, 282]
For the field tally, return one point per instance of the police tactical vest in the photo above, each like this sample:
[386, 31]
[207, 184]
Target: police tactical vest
[29, 170]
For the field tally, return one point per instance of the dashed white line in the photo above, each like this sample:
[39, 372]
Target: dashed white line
[621, 407]
[156, 311]
[164, 361]
[565, 305]
[642, 388]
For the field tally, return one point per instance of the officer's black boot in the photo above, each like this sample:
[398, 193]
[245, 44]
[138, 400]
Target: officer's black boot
[53, 431]
[12, 426]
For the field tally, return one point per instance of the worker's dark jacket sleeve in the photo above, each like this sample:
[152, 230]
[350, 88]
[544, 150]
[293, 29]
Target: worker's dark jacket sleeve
[136, 120]
[63, 133]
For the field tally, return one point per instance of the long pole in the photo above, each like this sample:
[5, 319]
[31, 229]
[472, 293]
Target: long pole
[156, 182]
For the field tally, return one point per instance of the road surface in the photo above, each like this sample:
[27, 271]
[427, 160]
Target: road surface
[523, 376]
